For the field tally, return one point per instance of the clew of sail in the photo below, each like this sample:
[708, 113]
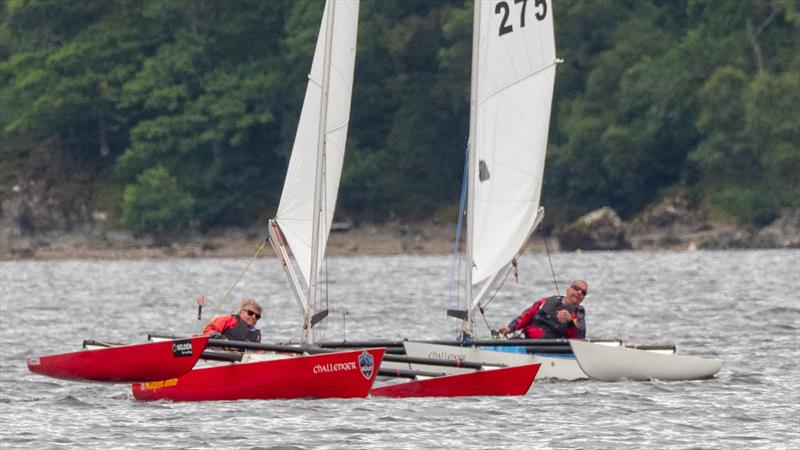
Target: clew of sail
[308, 199]
[514, 65]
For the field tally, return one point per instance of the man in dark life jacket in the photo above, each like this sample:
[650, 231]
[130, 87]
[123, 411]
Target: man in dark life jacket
[237, 327]
[554, 317]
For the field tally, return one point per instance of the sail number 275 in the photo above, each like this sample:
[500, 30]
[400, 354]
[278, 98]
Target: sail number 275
[504, 9]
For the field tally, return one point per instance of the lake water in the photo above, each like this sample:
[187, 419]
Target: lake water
[741, 306]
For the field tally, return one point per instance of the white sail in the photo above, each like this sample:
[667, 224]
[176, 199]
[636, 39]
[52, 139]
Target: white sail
[297, 205]
[515, 70]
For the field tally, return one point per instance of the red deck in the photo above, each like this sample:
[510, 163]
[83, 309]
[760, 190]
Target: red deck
[123, 364]
[339, 375]
[506, 381]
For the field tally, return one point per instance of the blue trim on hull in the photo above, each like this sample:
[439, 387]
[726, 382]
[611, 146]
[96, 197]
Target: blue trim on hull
[521, 349]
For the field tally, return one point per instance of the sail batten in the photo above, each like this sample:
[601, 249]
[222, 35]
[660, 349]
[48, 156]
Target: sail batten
[515, 82]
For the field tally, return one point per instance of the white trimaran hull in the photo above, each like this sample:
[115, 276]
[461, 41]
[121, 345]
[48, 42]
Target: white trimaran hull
[560, 367]
[589, 360]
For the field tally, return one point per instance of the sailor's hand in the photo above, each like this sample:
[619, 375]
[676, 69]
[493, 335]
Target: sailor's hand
[563, 316]
[504, 330]
[201, 299]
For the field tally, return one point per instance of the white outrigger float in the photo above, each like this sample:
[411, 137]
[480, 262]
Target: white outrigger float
[620, 362]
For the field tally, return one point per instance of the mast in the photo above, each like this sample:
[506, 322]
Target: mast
[473, 113]
[319, 180]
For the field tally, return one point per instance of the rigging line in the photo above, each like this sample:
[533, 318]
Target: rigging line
[322, 294]
[221, 303]
[553, 272]
[461, 207]
[496, 291]
[485, 322]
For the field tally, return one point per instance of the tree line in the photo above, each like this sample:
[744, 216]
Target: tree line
[168, 114]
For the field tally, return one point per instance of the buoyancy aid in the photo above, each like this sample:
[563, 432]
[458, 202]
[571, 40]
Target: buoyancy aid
[542, 322]
[232, 327]
[242, 332]
[525, 321]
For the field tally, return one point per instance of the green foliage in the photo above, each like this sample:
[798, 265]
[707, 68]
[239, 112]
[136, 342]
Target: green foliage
[752, 205]
[653, 95]
[750, 156]
[156, 206]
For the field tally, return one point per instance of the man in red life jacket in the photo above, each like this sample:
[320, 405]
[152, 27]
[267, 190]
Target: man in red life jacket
[237, 327]
[554, 317]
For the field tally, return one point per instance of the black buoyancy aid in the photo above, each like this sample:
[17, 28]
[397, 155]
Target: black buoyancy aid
[546, 320]
[242, 332]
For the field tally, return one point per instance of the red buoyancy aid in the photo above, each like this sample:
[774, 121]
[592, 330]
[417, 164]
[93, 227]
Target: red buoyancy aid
[525, 321]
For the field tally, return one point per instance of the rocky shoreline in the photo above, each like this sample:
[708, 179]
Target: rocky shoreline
[602, 230]
[673, 224]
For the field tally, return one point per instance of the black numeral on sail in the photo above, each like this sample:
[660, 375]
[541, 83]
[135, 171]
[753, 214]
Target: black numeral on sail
[504, 9]
[522, 12]
[541, 13]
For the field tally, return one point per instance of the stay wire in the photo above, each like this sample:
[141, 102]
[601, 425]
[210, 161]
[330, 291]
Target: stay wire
[505, 278]
[224, 299]
[456, 254]
[496, 291]
[553, 272]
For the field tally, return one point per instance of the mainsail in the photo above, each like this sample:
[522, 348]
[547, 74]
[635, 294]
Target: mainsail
[308, 200]
[513, 70]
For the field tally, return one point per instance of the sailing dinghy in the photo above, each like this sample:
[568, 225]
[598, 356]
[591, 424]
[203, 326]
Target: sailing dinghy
[303, 222]
[513, 73]
[169, 369]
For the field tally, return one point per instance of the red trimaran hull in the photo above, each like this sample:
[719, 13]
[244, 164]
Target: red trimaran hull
[125, 363]
[330, 375]
[505, 381]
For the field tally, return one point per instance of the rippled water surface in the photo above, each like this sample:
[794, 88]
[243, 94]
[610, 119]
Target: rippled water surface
[741, 306]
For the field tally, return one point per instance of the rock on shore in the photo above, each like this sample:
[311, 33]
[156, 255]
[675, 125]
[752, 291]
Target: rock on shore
[672, 225]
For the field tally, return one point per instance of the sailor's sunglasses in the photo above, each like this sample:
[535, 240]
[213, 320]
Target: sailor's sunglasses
[579, 289]
[252, 314]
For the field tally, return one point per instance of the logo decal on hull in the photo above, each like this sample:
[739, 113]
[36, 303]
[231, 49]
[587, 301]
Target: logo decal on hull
[152, 385]
[367, 364]
[182, 348]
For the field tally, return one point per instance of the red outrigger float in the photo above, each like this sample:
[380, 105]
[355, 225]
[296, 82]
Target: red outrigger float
[150, 361]
[504, 381]
[329, 375]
